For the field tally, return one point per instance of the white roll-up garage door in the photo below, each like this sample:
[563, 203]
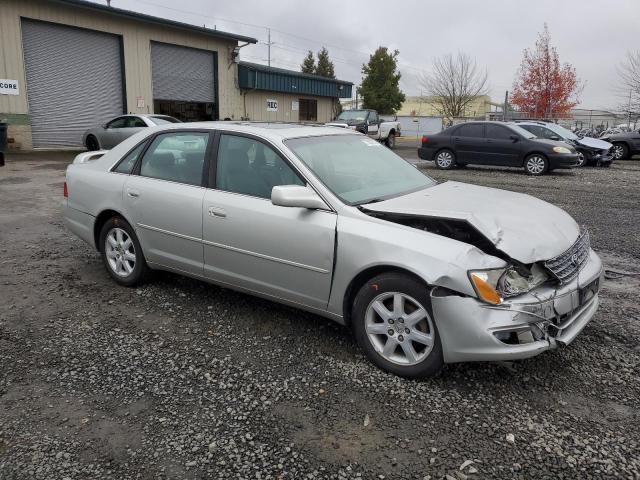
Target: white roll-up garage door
[182, 73]
[74, 81]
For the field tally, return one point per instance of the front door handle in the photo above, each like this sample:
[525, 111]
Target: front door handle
[217, 212]
[133, 193]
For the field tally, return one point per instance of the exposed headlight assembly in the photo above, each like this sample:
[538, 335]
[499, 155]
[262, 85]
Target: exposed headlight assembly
[561, 150]
[493, 286]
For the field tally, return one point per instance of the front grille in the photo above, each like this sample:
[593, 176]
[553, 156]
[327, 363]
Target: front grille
[566, 266]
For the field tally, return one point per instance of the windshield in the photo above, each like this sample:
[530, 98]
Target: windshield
[358, 115]
[561, 131]
[358, 169]
[164, 120]
[522, 131]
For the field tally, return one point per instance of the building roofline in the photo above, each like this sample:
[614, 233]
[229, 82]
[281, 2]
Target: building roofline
[157, 20]
[292, 73]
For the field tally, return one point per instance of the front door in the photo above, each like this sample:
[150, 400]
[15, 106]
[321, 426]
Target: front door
[164, 200]
[373, 125]
[112, 133]
[282, 252]
[501, 149]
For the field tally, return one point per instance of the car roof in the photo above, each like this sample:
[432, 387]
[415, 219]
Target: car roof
[275, 130]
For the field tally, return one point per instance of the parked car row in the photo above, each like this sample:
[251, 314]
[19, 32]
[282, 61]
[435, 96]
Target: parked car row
[536, 146]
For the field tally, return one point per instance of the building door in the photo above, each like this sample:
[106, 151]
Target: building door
[308, 110]
[184, 82]
[74, 81]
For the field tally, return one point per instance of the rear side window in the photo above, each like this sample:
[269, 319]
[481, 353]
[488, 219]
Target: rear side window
[127, 163]
[498, 132]
[177, 157]
[471, 130]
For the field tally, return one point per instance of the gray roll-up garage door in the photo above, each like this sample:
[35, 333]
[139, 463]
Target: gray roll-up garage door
[181, 73]
[74, 81]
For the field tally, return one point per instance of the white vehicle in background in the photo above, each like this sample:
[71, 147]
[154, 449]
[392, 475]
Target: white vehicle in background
[370, 123]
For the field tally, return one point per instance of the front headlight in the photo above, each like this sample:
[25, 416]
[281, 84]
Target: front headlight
[561, 150]
[493, 286]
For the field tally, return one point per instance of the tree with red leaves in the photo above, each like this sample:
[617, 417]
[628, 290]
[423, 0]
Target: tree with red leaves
[544, 87]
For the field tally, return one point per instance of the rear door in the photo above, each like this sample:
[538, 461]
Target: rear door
[282, 252]
[164, 197]
[501, 149]
[469, 143]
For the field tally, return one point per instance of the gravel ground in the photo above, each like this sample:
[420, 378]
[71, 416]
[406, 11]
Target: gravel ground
[179, 379]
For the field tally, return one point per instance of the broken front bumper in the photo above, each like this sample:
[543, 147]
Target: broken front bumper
[520, 327]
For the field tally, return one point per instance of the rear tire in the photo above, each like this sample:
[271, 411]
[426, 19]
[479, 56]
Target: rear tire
[393, 323]
[536, 164]
[620, 151]
[121, 253]
[92, 143]
[445, 159]
[391, 140]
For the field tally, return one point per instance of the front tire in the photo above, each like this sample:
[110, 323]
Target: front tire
[582, 160]
[393, 323]
[536, 164]
[92, 143]
[445, 159]
[121, 253]
[620, 151]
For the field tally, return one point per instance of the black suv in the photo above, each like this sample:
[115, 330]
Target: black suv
[496, 143]
[625, 145]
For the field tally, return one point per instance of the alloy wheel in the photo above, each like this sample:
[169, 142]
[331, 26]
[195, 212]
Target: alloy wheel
[120, 252]
[399, 328]
[535, 165]
[581, 159]
[617, 151]
[444, 159]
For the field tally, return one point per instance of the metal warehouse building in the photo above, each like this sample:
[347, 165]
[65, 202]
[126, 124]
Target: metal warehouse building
[67, 65]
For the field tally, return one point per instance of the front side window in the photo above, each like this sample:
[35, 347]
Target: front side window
[373, 118]
[128, 162]
[118, 123]
[135, 122]
[358, 169]
[498, 132]
[178, 157]
[250, 167]
[470, 130]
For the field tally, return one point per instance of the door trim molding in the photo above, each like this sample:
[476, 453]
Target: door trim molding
[234, 249]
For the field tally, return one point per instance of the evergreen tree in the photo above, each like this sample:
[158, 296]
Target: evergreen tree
[325, 65]
[308, 64]
[380, 88]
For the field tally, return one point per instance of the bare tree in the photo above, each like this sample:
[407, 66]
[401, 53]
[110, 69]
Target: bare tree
[454, 82]
[629, 72]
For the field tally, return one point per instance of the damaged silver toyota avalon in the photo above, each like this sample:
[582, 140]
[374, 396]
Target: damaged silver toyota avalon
[333, 222]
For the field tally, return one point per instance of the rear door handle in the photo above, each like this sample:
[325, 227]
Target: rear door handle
[217, 212]
[133, 193]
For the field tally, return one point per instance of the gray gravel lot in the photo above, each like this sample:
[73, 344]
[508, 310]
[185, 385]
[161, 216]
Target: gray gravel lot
[179, 379]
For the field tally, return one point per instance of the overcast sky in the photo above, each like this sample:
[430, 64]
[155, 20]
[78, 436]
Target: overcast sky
[592, 35]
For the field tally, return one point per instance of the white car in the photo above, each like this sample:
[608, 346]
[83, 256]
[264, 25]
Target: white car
[330, 221]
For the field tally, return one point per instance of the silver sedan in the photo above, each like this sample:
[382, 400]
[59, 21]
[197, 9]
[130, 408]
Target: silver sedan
[334, 223]
[113, 132]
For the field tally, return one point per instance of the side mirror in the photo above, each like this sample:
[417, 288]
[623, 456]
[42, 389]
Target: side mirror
[297, 196]
[514, 138]
[104, 125]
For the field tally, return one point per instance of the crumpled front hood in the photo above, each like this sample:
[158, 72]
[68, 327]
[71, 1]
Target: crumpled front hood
[595, 143]
[525, 228]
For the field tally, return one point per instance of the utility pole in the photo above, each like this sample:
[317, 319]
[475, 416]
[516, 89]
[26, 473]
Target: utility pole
[506, 105]
[269, 46]
[629, 114]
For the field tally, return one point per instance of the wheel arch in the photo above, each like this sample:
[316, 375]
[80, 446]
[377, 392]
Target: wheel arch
[363, 277]
[101, 220]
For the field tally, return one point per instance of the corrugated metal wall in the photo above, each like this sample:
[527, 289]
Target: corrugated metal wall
[75, 81]
[181, 73]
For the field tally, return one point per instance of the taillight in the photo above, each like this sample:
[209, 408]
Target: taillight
[65, 192]
[425, 139]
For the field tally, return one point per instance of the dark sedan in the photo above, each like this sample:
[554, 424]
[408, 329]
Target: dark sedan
[495, 143]
[625, 144]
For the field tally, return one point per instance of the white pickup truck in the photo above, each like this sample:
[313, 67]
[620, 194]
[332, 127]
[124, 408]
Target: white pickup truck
[369, 123]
